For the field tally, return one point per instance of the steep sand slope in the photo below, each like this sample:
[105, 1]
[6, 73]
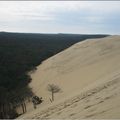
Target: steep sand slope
[101, 100]
[86, 66]
[78, 66]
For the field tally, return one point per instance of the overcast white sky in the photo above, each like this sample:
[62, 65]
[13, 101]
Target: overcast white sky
[60, 16]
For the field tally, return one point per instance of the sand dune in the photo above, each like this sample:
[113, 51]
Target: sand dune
[99, 102]
[88, 74]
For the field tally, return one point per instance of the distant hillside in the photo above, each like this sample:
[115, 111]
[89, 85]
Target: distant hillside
[22, 52]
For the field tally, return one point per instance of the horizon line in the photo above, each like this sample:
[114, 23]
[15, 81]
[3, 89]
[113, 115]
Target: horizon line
[57, 33]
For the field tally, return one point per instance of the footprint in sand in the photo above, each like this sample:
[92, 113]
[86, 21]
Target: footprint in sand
[88, 106]
[72, 114]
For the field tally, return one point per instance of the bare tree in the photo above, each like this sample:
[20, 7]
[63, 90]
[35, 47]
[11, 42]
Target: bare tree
[53, 89]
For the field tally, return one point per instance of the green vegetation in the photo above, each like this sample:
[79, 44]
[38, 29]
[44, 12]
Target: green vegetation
[21, 53]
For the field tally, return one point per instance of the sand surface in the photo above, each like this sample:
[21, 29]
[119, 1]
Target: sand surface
[88, 74]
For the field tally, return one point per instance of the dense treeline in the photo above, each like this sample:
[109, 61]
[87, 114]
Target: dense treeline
[21, 53]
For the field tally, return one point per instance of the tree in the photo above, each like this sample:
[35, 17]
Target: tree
[19, 97]
[53, 89]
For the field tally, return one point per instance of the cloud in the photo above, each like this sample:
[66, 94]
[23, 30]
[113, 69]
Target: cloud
[58, 16]
[44, 8]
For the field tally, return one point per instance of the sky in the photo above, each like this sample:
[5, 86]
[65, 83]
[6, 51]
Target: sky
[80, 17]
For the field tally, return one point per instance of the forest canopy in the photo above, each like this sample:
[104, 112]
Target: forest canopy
[22, 52]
